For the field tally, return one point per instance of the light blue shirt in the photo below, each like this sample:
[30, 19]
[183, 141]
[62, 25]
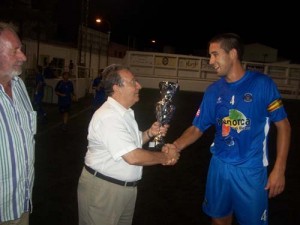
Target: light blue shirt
[17, 145]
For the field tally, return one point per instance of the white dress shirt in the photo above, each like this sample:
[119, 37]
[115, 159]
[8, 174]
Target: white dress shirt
[113, 132]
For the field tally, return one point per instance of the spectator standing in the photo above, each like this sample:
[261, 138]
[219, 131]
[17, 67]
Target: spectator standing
[65, 92]
[71, 67]
[49, 71]
[99, 92]
[39, 94]
[17, 130]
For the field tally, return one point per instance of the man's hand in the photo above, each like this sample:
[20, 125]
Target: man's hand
[171, 153]
[157, 129]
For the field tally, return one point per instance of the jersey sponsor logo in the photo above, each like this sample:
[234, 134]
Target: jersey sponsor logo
[236, 120]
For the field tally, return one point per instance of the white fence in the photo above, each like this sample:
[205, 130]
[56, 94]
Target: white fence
[195, 74]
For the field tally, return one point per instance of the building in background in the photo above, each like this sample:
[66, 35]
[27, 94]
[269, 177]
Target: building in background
[257, 52]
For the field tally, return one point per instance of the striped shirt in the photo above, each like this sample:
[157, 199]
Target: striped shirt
[17, 145]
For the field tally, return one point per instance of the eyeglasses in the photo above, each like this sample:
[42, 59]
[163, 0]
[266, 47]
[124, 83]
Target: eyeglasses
[132, 82]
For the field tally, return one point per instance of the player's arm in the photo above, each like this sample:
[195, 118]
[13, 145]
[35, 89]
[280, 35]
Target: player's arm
[276, 181]
[188, 137]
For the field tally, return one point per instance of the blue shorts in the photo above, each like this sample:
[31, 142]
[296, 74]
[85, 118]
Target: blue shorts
[238, 191]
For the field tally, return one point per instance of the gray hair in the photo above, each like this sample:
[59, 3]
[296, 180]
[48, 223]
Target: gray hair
[8, 26]
[111, 77]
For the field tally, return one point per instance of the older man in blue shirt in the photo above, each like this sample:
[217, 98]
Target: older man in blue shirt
[17, 130]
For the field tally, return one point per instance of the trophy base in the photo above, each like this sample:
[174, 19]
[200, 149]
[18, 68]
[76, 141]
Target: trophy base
[155, 146]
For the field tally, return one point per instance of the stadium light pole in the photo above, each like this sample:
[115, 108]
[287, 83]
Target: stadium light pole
[98, 21]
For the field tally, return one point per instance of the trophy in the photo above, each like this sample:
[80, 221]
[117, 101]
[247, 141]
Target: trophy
[164, 110]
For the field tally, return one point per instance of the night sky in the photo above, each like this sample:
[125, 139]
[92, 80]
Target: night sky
[188, 25]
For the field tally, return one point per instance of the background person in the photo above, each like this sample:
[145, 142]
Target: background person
[39, 94]
[71, 67]
[49, 71]
[99, 95]
[65, 92]
[240, 105]
[17, 130]
[113, 162]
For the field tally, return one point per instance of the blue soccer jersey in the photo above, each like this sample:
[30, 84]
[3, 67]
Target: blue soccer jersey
[66, 88]
[241, 113]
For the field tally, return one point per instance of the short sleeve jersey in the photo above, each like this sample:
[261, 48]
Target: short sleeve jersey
[241, 113]
[65, 87]
[39, 80]
[99, 93]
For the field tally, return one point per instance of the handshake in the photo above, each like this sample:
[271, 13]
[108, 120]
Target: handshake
[171, 154]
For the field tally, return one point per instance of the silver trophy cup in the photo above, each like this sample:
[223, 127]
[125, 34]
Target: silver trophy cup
[164, 110]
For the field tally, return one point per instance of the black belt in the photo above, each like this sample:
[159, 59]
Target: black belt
[110, 179]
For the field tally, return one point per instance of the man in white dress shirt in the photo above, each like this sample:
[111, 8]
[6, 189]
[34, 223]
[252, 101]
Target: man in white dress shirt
[115, 158]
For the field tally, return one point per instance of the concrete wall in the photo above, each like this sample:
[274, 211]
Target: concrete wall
[38, 53]
[191, 72]
[195, 74]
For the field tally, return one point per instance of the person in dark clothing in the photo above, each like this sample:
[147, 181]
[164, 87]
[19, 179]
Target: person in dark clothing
[71, 67]
[48, 72]
[99, 95]
[65, 92]
[39, 94]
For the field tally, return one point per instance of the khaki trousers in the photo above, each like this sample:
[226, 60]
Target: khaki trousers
[103, 203]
